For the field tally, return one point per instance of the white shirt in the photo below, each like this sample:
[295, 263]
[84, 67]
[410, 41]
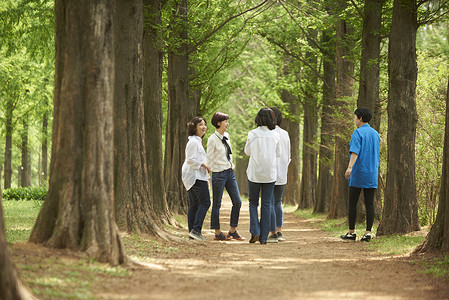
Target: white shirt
[284, 160]
[216, 153]
[262, 146]
[191, 168]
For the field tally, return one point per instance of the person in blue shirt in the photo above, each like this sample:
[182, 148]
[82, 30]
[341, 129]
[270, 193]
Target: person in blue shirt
[362, 171]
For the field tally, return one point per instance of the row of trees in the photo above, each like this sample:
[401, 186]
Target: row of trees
[109, 169]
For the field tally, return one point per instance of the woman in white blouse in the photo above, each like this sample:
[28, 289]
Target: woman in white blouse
[195, 176]
[219, 158]
[262, 147]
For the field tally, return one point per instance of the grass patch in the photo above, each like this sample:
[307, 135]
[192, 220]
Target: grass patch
[439, 268]
[20, 217]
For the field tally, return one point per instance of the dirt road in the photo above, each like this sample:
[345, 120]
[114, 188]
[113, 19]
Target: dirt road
[310, 264]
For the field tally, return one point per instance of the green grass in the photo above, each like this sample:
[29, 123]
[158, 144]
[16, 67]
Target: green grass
[439, 268]
[20, 217]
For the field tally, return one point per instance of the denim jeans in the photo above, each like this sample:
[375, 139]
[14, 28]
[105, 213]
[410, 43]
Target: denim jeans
[276, 212]
[262, 227]
[199, 204]
[220, 181]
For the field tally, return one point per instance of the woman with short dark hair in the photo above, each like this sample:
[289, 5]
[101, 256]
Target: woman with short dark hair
[262, 147]
[219, 158]
[195, 177]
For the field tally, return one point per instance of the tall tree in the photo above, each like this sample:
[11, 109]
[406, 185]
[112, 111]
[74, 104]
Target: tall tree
[344, 92]
[80, 199]
[11, 286]
[438, 237]
[324, 188]
[181, 109]
[369, 80]
[400, 212]
[152, 97]
[25, 174]
[44, 149]
[8, 142]
[133, 203]
[310, 104]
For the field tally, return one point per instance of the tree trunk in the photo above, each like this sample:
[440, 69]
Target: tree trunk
[25, 178]
[133, 201]
[8, 144]
[152, 97]
[241, 165]
[180, 111]
[78, 212]
[369, 81]
[11, 286]
[44, 171]
[344, 89]
[400, 213]
[324, 189]
[309, 153]
[438, 237]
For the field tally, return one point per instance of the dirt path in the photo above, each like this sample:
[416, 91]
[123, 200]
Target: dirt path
[310, 264]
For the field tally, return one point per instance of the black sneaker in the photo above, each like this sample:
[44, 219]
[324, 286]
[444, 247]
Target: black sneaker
[254, 238]
[349, 236]
[196, 235]
[366, 237]
[272, 238]
[281, 237]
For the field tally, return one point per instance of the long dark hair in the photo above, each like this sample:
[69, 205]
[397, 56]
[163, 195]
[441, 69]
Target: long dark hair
[191, 126]
[266, 117]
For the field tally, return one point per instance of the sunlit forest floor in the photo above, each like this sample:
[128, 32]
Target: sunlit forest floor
[310, 264]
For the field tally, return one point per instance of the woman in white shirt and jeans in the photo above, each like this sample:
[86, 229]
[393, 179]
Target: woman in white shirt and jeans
[195, 176]
[219, 158]
[262, 147]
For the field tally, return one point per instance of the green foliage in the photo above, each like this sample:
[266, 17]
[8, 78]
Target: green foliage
[25, 193]
[20, 217]
[430, 105]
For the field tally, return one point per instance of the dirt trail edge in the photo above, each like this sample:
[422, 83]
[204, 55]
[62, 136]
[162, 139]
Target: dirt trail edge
[310, 264]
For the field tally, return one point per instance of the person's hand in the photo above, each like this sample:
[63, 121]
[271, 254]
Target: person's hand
[348, 173]
[206, 167]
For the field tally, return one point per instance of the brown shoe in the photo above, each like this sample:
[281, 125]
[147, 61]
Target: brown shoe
[254, 238]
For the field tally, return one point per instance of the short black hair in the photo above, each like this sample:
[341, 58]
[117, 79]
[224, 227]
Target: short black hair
[278, 114]
[266, 117]
[219, 117]
[364, 114]
[191, 126]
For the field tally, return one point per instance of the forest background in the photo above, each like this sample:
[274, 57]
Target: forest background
[315, 60]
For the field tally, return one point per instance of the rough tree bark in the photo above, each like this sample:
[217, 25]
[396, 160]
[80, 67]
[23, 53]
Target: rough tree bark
[309, 153]
[11, 286]
[152, 97]
[400, 212]
[78, 212]
[180, 110]
[324, 188]
[344, 90]
[133, 201]
[437, 239]
[368, 95]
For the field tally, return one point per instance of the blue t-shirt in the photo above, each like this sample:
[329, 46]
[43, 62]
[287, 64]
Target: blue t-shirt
[365, 142]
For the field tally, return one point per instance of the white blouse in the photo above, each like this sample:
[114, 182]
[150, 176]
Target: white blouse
[216, 153]
[285, 158]
[195, 157]
[262, 147]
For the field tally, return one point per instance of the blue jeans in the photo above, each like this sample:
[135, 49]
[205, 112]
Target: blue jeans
[262, 227]
[220, 181]
[276, 212]
[199, 204]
